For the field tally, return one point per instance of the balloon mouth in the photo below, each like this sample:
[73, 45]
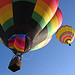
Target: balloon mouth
[19, 43]
[68, 41]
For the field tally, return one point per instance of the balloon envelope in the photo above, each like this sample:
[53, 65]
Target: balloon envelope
[65, 34]
[24, 24]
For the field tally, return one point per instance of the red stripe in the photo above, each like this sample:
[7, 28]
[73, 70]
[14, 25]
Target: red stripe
[60, 13]
[4, 3]
[57, 2]
[11, 39]
[65, 37]
[19, 46]
[65, 34]
[11, 45]
[17, 40]
[22, 43]
[60, 16]
[48, 2]
[20, 38]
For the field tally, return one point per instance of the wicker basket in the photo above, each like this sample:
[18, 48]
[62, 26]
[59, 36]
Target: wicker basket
[15, 64]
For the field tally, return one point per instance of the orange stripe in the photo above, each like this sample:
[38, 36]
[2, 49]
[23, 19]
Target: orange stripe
[58, 16]
[52, 6]
[4, 3]
[5, 17]
[45, 6]
[49, 2]
[5, 9]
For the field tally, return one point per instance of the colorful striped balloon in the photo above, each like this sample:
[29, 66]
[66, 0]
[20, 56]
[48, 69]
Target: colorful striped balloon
[18, 42]
[6, 14]
[65, 34]
[36, 20]
[44, 11]
[55, 23]
[52, 27]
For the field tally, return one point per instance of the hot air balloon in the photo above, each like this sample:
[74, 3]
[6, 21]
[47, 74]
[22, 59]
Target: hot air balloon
[65, 34]
[51, 27]
[27, 25]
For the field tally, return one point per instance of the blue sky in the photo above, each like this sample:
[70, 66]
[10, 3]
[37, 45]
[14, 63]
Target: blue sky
[53, 59]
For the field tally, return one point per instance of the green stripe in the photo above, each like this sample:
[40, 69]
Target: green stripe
[14, 35]
[33, 1]
[64, 33]
[49, 28]
[39, 19]
[35, 48]
[8, 24]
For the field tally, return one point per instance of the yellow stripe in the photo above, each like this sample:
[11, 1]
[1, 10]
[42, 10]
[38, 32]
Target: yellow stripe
[18, 48]
[5, 9]
[42, 44]
[46, 8]
[43, 13]
[74, 33]
[5, 17]
[54, 24]
[1, 40]
[69, 29]
[11, 47]
[70, 41]
[66, 39]
[65, 36]
[62, 30]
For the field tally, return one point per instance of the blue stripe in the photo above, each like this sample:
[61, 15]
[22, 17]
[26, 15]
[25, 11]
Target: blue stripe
[21, 35]
[12, 37]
